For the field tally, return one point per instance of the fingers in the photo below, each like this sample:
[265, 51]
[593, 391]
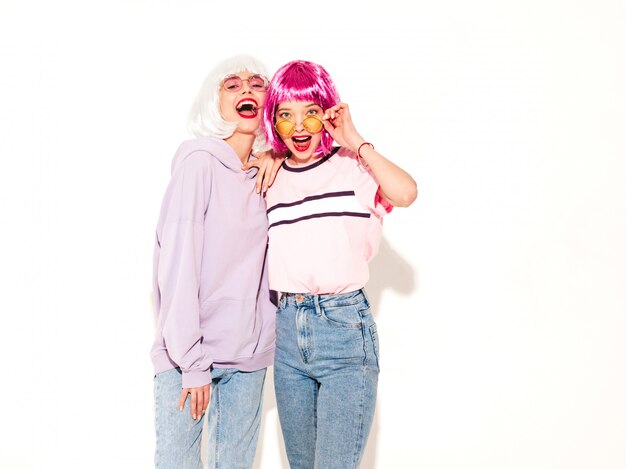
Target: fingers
[274, 171]
[183, 397]
[261, 175]
[258, 161]
[249, 164]
[207, 397]
[261, 179]
[265, 162]
[197, 403]
[330, 128]
[335, 111]
[199, 399]
[193, 394]
[267, 173]
[329, 114]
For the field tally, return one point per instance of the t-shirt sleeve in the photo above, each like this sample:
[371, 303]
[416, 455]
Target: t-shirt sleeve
[366, 189]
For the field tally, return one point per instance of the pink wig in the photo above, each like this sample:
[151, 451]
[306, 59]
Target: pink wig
[298, 81]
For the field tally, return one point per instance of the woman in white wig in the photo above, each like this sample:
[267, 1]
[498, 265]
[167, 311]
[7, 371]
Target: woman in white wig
[214, 319]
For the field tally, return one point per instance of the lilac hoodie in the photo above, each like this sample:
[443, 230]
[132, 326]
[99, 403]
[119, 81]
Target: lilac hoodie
[210, 277]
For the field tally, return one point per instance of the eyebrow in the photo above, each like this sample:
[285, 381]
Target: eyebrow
[289, 109]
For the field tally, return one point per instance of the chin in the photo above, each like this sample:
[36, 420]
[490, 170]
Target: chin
[248, 128]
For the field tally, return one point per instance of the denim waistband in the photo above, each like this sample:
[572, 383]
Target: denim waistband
[330, 299]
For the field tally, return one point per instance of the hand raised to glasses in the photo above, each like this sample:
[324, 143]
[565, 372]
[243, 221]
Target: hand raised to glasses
[338, 123]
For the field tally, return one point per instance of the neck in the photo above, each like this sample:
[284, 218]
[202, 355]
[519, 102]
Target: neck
[293, 160]
[242, 144]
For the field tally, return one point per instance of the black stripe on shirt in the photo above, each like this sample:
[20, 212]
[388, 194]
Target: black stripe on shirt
[328, 195]
[321, 215]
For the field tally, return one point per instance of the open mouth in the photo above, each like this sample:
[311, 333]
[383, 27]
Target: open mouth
[247, 108]
[301, 143]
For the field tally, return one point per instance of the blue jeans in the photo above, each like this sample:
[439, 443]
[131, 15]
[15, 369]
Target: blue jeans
[233, 428]
[325, 376]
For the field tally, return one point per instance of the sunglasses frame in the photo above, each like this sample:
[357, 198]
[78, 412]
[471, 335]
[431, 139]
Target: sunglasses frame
[266, 82]
[293, 124]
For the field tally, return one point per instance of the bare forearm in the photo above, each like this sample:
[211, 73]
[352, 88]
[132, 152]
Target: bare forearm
[396, 185]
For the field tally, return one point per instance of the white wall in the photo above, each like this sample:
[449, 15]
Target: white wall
[500, 293]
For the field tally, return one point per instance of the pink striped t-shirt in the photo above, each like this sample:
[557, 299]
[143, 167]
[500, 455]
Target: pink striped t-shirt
[325, 225]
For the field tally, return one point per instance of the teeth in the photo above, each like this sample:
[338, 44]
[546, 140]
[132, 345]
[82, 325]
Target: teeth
[248, 104]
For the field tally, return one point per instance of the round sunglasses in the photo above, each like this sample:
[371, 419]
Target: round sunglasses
[286, 127]
[234, 83]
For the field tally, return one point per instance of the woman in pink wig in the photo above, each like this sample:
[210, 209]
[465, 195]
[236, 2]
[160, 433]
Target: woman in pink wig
[325, 212]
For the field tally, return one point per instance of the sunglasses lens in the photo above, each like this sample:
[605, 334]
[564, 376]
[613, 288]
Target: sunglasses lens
[313, 124]
[285, 128]
[258, 83]
[233, 83]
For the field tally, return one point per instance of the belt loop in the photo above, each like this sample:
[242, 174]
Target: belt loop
[316, 301]
[367, 300]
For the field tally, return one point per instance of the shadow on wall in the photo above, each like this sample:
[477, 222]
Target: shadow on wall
[388, 271]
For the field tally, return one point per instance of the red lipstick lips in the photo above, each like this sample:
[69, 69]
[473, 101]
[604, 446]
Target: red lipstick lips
[247, 108]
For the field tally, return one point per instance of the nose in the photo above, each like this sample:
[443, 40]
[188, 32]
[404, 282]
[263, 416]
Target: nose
[245, 86]
[300, 125]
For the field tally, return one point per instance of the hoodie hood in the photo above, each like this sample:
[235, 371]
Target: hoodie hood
[216, 148]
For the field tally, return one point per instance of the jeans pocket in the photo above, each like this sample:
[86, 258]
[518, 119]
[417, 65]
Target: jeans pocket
[342, 316]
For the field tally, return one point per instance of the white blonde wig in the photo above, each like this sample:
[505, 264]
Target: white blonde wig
[205, 119]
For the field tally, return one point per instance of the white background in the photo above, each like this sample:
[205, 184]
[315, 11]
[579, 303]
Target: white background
[500, 294]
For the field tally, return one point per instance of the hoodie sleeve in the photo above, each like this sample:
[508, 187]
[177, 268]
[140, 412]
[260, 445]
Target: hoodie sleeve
[181, 238]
